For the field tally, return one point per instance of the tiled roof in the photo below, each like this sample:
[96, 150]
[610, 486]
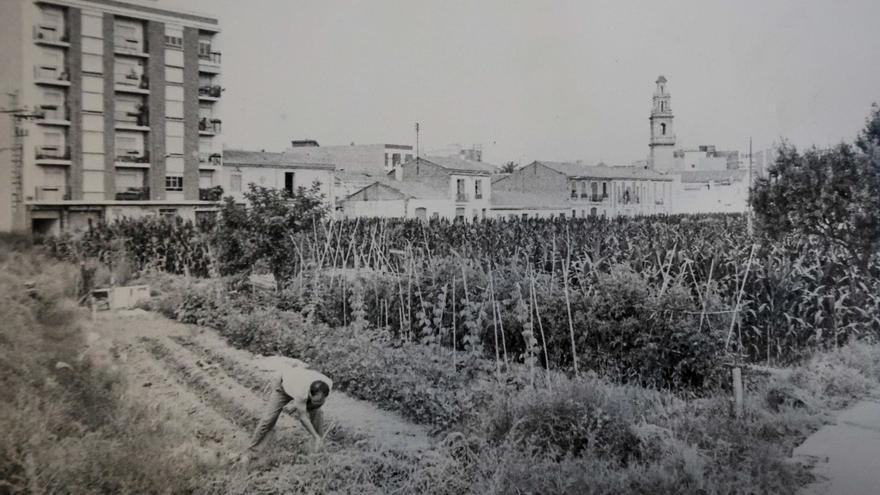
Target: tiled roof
[460, 164]
[526, 201]
[577, 170]
[268, 159]
[713, 175]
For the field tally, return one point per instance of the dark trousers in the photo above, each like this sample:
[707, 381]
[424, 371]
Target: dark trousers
[277, 401]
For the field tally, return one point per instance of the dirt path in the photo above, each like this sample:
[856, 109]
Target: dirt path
[846, 454]
[217, 393]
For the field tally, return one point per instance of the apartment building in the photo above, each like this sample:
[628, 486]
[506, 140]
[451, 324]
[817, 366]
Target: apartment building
[594, 190]
[114, 111]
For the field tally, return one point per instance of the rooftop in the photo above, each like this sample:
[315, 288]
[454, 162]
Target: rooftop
[268, 159]
[579, 171]
[456, 164]
[410, 189]
[713, 175]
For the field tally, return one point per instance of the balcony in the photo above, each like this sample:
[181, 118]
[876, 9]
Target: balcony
[209, 127]
[132, 158]
[210, 160]
[52, 155]
[132, 83]
[51, 76]
[210, 92]
[52, 115]
[132, 121]
[50, 36]
[209, 61]
[129, 47]
[134, 194]
[211, 193]
[51, 193]
[462, 197]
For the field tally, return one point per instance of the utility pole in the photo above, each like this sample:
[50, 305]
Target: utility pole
[749, 210]
[18, 133]
[417, 140]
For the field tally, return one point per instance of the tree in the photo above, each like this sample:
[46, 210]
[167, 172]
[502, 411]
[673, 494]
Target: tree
[509, 167]
[831, 194]
[268, 229]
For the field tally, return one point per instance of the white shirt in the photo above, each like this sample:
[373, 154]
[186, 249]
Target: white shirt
[297, 381]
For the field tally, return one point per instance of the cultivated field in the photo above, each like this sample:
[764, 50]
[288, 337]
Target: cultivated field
[566, 356]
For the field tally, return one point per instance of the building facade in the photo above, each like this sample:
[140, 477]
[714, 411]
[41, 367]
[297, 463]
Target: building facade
[115, 110]
[273, 170]
[594, 190]
[370, 159]
[431, 187]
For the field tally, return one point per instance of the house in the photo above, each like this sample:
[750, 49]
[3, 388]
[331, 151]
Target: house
[275, 170]
[431, 187]
[712, 191]
[515, 204]
[593, 190]
[371, 159]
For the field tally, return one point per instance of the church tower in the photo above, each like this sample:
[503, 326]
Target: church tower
[662, 142]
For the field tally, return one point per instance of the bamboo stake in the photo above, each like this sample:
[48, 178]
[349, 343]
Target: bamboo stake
[534, 298]
[739, 298]
[494, 323]
[503, 341]
[570, 322]
[454, 317]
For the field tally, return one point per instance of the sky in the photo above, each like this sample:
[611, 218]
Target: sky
[553, 80]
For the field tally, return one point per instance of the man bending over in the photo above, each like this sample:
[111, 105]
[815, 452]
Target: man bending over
[305, 390]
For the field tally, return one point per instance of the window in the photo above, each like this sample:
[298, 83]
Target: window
[173, 183]
[206, 179]
[604, 190]
[52, 139]
[167, 212]
[128, 179]
[574, 190]
[395, 159]
[594, 191]
[174, 75]
[592, 212]
[663, 129]
[459, 213]
[235, 182]
[583, 189]
[174, 41]
[386, 160]
[478, 189]
[421, 213]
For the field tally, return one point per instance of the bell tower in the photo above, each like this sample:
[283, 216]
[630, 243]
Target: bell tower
[662, 142]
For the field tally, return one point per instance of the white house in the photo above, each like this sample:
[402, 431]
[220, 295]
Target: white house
[275, 170]
[433, 187]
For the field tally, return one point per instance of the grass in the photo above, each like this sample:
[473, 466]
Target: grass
[66, 427]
